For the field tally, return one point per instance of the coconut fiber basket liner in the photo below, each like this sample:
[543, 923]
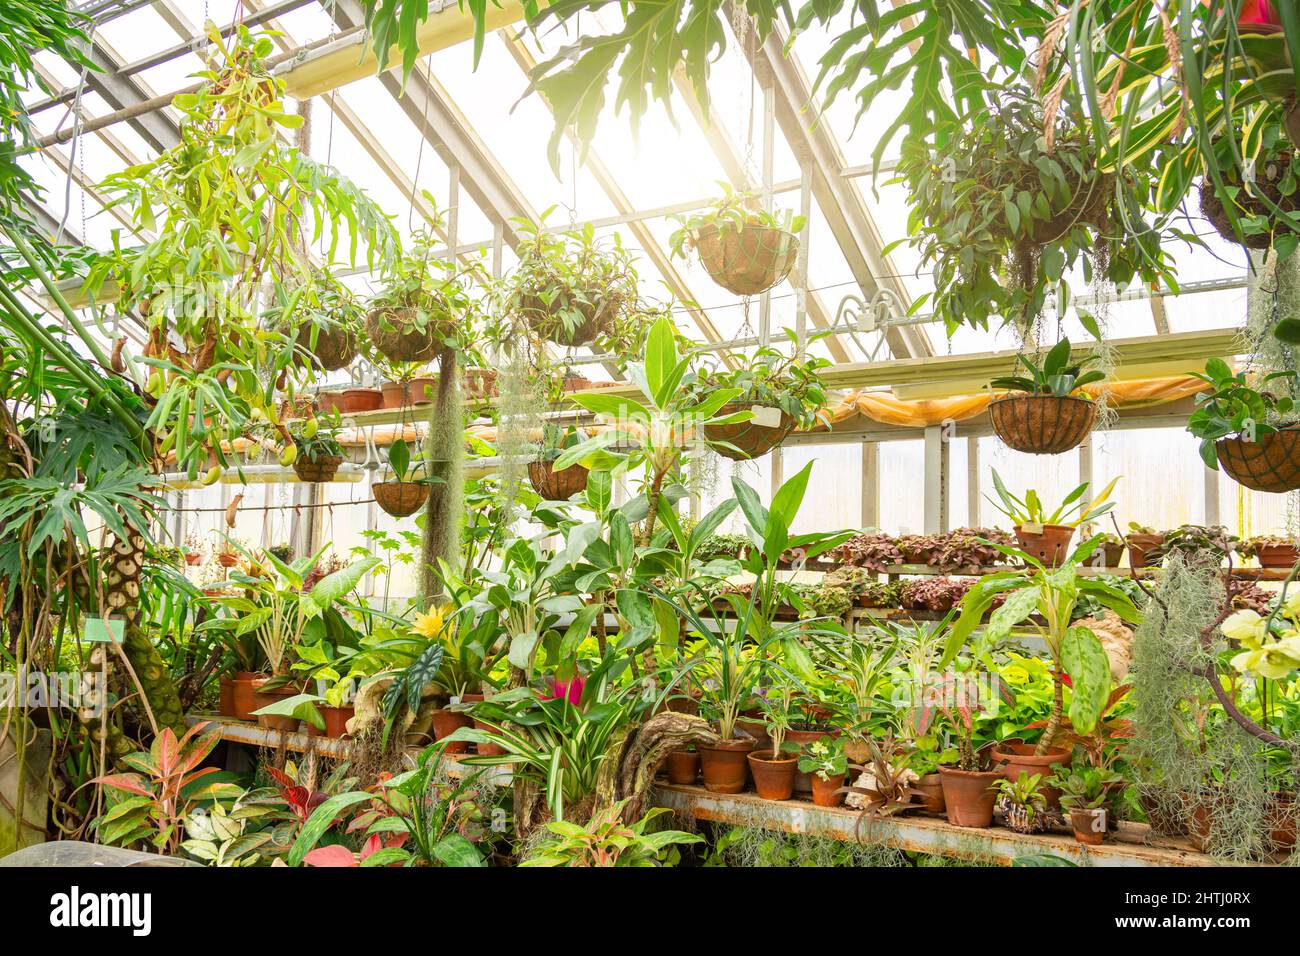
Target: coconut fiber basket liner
[395, 333]
[323, 468]
[400, 498]
[1042, 424]
[752, 439]
[1271, 464]
[746, 262]
[557, 485]
[335, 346]
[595, 313]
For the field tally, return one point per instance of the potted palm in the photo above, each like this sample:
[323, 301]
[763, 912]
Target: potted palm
[1247, 430]
[420, 309]
[407, 490]
[743, 247]
[1045, 415]
[1046, 534]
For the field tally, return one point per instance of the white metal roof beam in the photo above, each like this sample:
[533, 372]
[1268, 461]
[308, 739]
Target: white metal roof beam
[838, 198]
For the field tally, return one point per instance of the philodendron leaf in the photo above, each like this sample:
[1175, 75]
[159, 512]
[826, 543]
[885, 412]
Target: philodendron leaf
[1085, 660]
[399, 458]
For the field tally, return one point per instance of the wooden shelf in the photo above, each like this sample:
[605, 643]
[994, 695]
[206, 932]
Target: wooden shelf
[1132, 845]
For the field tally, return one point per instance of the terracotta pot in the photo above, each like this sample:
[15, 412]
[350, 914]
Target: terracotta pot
[968, 796]
[1113, 553]
[755, 728]
[803, 781]
[1281, 821]
[931, 790]
[823, 791]
[1278, 555]
[264, 698]
[747, 261]
[243, 691]
[405, 394]
[227, 706]
[723, 764]
[1042, 424]
[400, 498]
[1013, 757]
[1139, 545]
[481, 382]
[1271, 464]
[751, 440]
[446, 722]
[352, 400]
[557, 485]
[1159, 816]
[228, 559]
[1051, 545]
[683, 767]
[1089, 825]
[336, 720]
[321, 469]
[773, 779]
[487, 750]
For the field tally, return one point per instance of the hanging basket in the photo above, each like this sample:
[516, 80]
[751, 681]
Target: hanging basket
[750, 438]
[322, 468]
[335, 347]
[1249, 205]
[1271, 464]
[749, 261]
[555, 485]
[396, 332]
[1042, 424]
[400, 498]
[595, 307]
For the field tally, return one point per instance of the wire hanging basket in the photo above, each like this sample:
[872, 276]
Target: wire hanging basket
[747, 262]
[1270, 464]
[1042, 424]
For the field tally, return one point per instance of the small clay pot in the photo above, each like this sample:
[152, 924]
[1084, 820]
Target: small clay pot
[1278, 555]
[228, 559]
[773, 779]
[227, 705]
[1139, 545]
[824, 790]
[446, 722]
[349, 401]
[683, 767]
[968, 796]
[1089, 825]
[1014, 757]
[242, 688]
[193, 558]
[930, 788]
[1050, 544]
[264, 698]
[723, 764]
[1281, 821]
[406, 394]
[803, 781]
[336, 720]
[487, 750]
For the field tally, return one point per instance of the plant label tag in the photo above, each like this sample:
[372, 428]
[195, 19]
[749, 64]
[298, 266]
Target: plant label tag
[105, 630]
[1032, 528]
[765, 416]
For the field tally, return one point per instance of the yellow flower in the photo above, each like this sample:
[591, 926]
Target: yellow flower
[1247, 627]
[1266, 662]
[429, 625]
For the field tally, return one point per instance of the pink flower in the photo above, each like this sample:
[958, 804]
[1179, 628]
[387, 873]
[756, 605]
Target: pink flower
[566, 688]
[1257, 16]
